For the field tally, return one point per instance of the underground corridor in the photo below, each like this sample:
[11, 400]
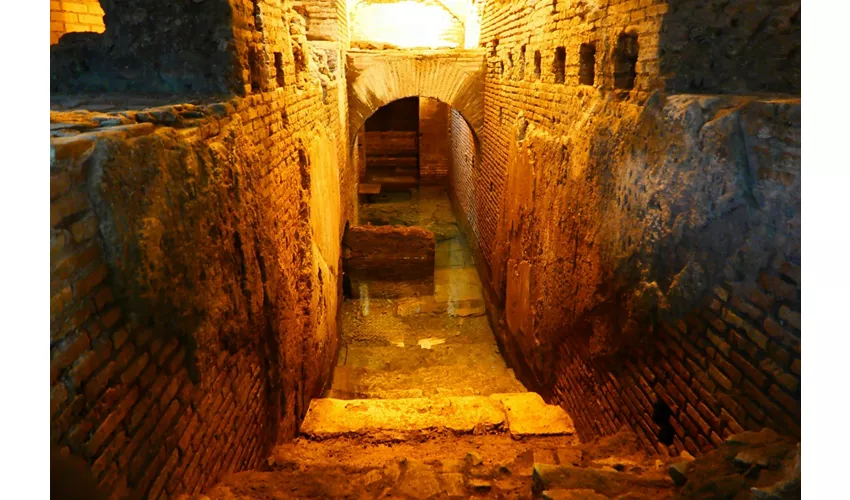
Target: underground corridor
[425, 249]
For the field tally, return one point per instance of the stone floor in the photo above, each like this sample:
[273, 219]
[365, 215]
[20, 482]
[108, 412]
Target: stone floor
[411, 340]
[471, 466]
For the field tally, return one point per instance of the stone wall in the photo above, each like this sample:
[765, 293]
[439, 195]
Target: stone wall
[434, 147]
[137, 52]
[731, 47]
[640, 249]
[377, 24]
[67, 16]
[195, 258]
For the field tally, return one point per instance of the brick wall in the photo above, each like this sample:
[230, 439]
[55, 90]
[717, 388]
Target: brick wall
[731, 364]
[622, 266]
[326, 19]
[407, 24]
[463, 174]
[434, 149]
[389, 252]
[194, 266]
[68, 16]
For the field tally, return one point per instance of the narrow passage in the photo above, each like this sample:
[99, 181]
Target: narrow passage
[422, 404]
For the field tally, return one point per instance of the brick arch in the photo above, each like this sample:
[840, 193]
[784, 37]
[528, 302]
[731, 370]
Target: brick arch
[377, 78]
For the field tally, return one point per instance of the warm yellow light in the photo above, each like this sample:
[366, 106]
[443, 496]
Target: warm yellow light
[405, 24]
[472, 32]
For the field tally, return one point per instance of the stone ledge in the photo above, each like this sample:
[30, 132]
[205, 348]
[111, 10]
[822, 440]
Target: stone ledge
[522, 414]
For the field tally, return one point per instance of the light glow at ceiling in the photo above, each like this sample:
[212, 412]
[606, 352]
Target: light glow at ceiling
[472, 27]
[405, 24]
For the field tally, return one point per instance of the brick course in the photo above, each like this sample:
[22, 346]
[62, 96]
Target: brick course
[68, 16]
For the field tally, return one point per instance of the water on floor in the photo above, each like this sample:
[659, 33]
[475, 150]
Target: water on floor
[415, 339]
[422, 405]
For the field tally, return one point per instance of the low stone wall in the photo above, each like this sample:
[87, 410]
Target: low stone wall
[389, 252]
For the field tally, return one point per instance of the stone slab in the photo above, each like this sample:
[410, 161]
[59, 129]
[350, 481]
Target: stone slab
[580, 494]
[395, 419]
[605, 482]
[528, 415]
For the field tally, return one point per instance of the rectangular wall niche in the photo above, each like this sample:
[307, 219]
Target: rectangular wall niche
[522, 62]
[559, 65]
[625, 62]
[278, 68]
[538, 60]
[587, 64]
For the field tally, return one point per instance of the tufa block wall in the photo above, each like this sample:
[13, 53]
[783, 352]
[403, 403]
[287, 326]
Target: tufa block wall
[638, 248]
[195, 255]
[722, 47]
[68, 16]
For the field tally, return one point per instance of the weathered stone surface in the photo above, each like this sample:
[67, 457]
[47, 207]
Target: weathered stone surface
[453, 484]
[678, 473]
[762, 464]
[382, 419]
[529, 415]
[568, 456]
[479, 485]
[605, 482]
[576, 494]
[419, 481]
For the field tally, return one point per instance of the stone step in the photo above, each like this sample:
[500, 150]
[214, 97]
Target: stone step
[522, 414]
[431, 367]
[358, 383]
[437, 351]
